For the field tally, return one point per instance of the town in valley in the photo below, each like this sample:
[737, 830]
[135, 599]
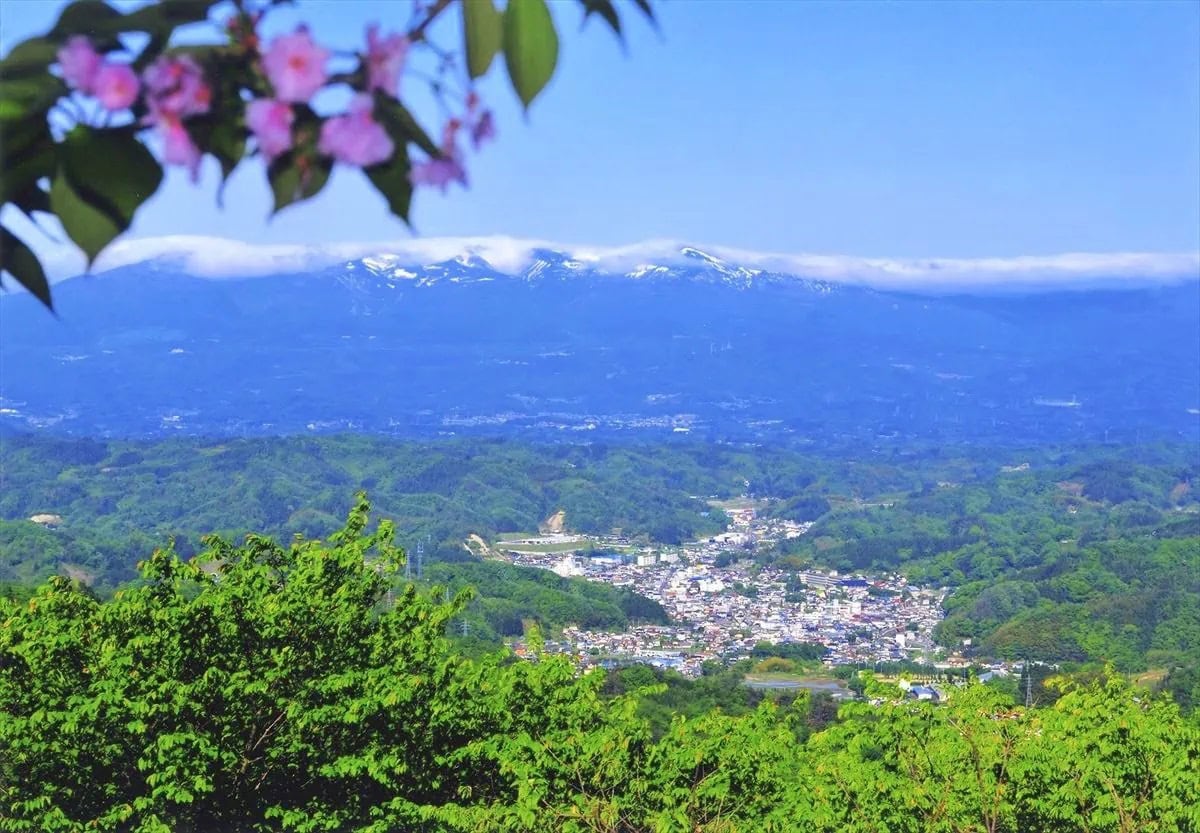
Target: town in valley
[721, 602]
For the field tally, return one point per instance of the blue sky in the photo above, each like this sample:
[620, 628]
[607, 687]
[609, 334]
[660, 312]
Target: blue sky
[873, 129]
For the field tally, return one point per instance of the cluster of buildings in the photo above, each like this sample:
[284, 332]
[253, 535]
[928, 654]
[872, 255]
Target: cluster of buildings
[721, 603]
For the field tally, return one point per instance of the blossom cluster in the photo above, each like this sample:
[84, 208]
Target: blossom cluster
[173, 88]
[295, 69]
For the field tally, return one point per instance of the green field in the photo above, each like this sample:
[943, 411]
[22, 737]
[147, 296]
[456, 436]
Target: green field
[795, 681]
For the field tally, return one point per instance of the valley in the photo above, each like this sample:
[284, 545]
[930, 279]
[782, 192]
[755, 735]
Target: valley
[678, 553]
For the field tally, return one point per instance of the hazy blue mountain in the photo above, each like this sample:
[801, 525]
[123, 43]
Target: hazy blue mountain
[698, 346]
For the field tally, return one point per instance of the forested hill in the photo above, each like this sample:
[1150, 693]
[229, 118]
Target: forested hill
[1083, 554]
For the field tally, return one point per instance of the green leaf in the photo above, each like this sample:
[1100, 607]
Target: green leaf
[391, 180]
[85, 17]
[91, 228]
[27, 89]
[27, 153]
[301, 172]
[647, 10]
[225, 139]
[111, 169]
[29, 97]
[94, 18]
[29, 56]
[483, 34]
[228, 144]
[214, 57]
[401, 125]
[290, 184]
[530, 47]
[167, 14]
[606, 10]
[18, 260]
[32, 199]
[102, 179]
[35, 199]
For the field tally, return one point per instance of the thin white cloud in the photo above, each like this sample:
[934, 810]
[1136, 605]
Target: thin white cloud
[221, 258]
[216, 257]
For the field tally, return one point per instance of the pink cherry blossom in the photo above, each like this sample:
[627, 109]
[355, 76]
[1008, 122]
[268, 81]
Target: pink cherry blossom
[80, 62]
[439, 173]
[175, 87]
[483, 130]
[483, 125]
[295, 66]
[178, 147]
[271, 123]
[356, 138]
[385, 61]
[116, 86]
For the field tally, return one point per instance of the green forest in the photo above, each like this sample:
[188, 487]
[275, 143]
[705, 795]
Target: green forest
[1094, 561]
[1059, 555]
[304, 687]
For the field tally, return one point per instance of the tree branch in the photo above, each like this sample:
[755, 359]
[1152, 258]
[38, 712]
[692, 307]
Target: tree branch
[417, 33]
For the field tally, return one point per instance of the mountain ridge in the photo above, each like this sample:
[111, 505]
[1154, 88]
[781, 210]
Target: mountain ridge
[551, 264]
[220, 258]
[560, 349]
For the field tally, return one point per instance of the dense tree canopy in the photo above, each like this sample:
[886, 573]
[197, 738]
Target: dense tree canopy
[269, 687]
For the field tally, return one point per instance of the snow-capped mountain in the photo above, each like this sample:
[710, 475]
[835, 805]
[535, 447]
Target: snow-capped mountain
[686, 263]
[221, 258]
[551, 263]
[391, 267]
[555, 342]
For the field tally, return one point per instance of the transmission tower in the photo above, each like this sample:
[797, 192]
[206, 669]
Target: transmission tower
[420, 560]
[1028, 685]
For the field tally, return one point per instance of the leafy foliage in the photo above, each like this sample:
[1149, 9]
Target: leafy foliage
[275, 688]
[510, 596]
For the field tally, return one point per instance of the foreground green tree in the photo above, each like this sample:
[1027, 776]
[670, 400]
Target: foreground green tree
[1105, 757]
[264, 687]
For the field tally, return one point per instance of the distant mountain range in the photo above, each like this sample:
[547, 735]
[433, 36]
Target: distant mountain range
[565, 348]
